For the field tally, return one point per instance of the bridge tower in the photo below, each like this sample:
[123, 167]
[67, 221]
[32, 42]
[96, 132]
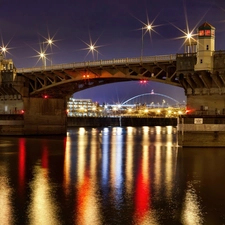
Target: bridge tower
[205, 47]
[202, 75]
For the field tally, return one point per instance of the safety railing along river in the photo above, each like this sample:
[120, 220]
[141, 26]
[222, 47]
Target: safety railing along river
[121, 61]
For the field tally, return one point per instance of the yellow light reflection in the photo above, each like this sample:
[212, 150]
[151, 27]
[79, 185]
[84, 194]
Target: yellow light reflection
[88, 208]
[116, 162]
[157, 169]
[81, 160]
[43, 207]
[192, 213]
[94, 155]
[67, 165]
[143, 213]
[6, 215]
[169, 170]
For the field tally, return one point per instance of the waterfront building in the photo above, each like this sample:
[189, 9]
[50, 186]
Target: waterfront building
[82, 107]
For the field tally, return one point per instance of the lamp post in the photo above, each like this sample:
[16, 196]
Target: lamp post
[50, 42]
[3, 51]
[147, 28]
[190, 43]
[43, 57]
[44, 49]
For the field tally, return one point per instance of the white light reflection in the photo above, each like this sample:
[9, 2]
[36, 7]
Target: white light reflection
[82, 131]
[158, 129]
[169, 129]
[6, 215]
[116, 163]
[42, 209]
[129, 159]
[191, 214]
[105, 156]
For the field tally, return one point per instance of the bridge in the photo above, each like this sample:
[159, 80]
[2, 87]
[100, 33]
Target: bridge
[42, 92]
[65, 79]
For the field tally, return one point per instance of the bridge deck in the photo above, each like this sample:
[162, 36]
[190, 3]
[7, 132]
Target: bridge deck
[121, 61]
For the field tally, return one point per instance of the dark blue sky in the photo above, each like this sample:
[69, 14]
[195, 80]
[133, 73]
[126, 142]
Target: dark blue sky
[115, 26]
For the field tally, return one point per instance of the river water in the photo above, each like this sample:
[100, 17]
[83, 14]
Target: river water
[110, 175]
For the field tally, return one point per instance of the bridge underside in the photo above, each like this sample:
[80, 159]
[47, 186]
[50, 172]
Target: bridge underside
[59, 83]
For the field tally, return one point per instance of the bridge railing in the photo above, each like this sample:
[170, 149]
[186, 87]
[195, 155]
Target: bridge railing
[121, 61]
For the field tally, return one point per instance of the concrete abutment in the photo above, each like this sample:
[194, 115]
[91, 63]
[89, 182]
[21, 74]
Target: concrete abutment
[45, 116]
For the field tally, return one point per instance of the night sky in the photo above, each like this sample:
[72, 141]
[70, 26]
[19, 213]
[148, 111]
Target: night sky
[115, 29]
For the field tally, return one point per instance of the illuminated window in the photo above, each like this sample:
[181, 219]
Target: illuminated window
[201, 33]
[207, 32]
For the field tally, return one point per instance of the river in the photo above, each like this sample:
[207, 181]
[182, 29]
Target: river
[110, 175]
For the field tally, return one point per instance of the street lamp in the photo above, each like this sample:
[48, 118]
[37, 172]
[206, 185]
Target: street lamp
[44, 46]
[147, 28]
[43, 57]
[190, 42]
[49, 43]
[3, 51]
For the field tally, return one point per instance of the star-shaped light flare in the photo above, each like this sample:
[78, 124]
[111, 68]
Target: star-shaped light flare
[41, 55]
[4, 49]
[189, 36]
[92, 47]
[44, 45]
[148, 27]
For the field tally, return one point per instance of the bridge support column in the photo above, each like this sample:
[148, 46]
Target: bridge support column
[44, 116]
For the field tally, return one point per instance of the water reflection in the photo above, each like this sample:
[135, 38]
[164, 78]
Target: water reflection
[111, 175]
[22, 165]
[192, 212]
[43, 207]
[6, 215]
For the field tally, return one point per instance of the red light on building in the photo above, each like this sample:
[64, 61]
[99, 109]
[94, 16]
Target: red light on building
[22, 111]
[189, 111]
[45, 96]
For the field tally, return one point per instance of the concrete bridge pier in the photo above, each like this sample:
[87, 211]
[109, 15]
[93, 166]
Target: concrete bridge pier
[44, 116]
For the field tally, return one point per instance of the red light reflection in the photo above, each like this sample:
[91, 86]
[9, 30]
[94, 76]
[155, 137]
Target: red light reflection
[142, 198]
[22, 163]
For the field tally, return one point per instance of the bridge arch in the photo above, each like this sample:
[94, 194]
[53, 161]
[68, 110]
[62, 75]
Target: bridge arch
[63, 80]
[151, 93]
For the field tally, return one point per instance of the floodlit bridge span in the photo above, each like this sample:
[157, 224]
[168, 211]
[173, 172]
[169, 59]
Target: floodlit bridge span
[65, 79]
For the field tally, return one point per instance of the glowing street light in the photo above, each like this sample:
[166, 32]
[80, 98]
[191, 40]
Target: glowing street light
[92, 47]
[3, 51]
[147, 28]
[44, 46]
[43, 57]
